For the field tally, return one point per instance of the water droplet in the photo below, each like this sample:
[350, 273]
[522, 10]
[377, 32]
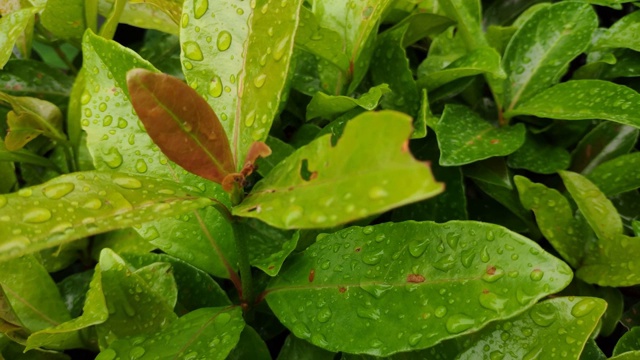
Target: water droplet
[85, 98]
[415, 339]
[301, 330]
[492, 301]
[108, 354]
[224, 40]
[445, 263]
[368, 313]
[324, 315]
[458, 323]
[127, 182]
[373, 257]
[259, 80]
[440, 312]
[200, 8]
[92, 204]
[192, 50]
[112, 158]
[36, 215]
[376, 290]
[536, 275]
[367, 230]
[484, 255]
[467, 256]
[57, 191]
[533, 353]
[417, 248]
[490, 236]
[25, 192]
[293, 214]
[280, 48]
[543, 315]
[264, 8]
[185, 20]
[102, 107]
[141, 166]
[496, 355]
[122, 123]
[239, 11]
[215, 87]
[583, 307]
[452, 240]
[377, 192]
[250, 119]
[136, 352]
[107, 120]
[492, 274]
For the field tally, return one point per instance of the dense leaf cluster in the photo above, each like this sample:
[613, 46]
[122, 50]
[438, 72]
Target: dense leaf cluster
[321, 179]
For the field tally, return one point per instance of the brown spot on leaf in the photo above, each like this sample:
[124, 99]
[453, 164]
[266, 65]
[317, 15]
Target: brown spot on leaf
[342, 289]
[495, 141]
[312, 275]
[415, 278]
[358, 249]
[491, 269]
[485, 291]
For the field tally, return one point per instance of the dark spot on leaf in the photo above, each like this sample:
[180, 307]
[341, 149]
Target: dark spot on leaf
[485, 291]
[495, 141]
[415, 278]
[253, 208]
[312, 275]
[358, 249]
[271, 267]
[342, 289]
[304, 171]
[491, 270]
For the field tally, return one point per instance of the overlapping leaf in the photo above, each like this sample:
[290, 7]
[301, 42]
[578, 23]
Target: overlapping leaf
[143, 14]
[358, 289]
[347, 180]
[618, 175]
[604, 142]
[328, 106]
[11, 26]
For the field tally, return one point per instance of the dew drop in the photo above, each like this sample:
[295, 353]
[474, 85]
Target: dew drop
[417, 248]
[85, 98]
[376, 290]
[368, 313]
[492, 301]
[113, 158]
[440, 312]
[57, 191]
[458, 323]
[192, 50]
[36, 215]
[224, 40]
[452, 240]
[25, 192]
[250, 119]
[280, 49]
[492, 274]
[122, 123]
[107, 120]
[543, 315]
[127, 182]
[373, 257]
[367, 230]
[445, 263]
[136, 352]
[583, 307]
[377, 192]
[324, 315]
[259, 80]
[415, 339]
[536, 275]
[199, 8]
[215, 87]
[293, 214]
[141, 166]
[496, 355]
[185, 20]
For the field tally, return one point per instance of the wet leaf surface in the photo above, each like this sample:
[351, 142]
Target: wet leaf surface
[539, 156]
[328, 106]
[11, 26]
[426, 281]
[315, 173]
[604, 142]
[618, 175]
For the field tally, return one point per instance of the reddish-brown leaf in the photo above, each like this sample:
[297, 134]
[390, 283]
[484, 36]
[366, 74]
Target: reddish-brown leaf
[181, 123]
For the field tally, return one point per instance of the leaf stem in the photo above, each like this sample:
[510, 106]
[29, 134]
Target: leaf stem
[109, 27]
[246, 293]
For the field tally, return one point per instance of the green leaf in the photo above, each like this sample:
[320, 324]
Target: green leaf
[599, 212]
[70, 333]
[25, 156]
[321, 41]
[117, 141]
[631, 355]
[506, 12]
[615, 4]
[135, 306]
[328, 106]
[465, 137]
[498, 37]
[618, 175]
[630, 341]
[181, 123]
[468, 15]
[64, 18]
[583, 100]
[31, 117]
[268, 246]
[196, 289]
[35, 310]
[250, 346]
[238, 61]
[540, 156]
[210, 333]
[280, 150]
[613, 297]
[361, 287]
[492, 171]
[77, 205]
[296, 349]
[621, 34]
[339, 174]
[163, 51]
[484, 60]
[35, 79]
[11, 27]
[445, 48]
[121, 241]
[552, 327]
[143, 15]
[555, 219]
[592, 351]
[605, 142]
[541, 50]
[173, 8]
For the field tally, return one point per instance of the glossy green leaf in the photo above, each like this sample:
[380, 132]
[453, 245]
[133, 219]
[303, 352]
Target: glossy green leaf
[268, 247]
[173, 8]
[591, 351]
[328, 106]
[121, 241]
[613, 297]
[25, 156]
[558, 327]
[555, 219]
[181, 123]
[31, 117]
[159, 277]
[498, 37]
[621, 34]
[468, 15]
[361, 287]
[40, 217]
[338, 175]
[445, 48]
[117, 141]
[238, 61]
[627, 65]
[296, 349]
[493, 171]
[506, 12]
[64, 18]
[631, 355]
[70, 333]
[210, 333]
[280, 150]
[605, 142]
[618, 175]
[321, 41]
[58, 258]
[35, 310]
[484, 60]
[540, 51]
[11, 26]
[134, 304]
[464, 137]
[539, 156]
[616, 4]
[583, 100]
[145, 15]
[630, 341]
[35, 79]
[163, 51]
[250, 346]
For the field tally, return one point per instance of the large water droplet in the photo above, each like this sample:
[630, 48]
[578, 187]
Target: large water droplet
[536, 275]
[415, 339]
[141, 166]
[122, 123]
[250, 119]
[113, 158]
[224, 40]
[492, 301]
[280, 48]
[467, 256]
[136, 352]
[445, 263]
[324, 315]
[293, 214]
[26, 192]
[200, 8]
[583, 307]
[57, 191]
[492, 274]
[543, 315]
[376, 290]
[458, 323]
[373, 257]
[368, 313]
[377, 192]
[215, 87]
[453, 239]
[440, 312]
[127, 182]
[192, 50]
[93, 204]
[259, 80]
[417, 248]
[36, 215]
[496, 355]
[85, 98]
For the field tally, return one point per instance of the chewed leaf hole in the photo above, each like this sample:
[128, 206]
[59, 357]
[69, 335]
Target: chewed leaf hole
[305, 173]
